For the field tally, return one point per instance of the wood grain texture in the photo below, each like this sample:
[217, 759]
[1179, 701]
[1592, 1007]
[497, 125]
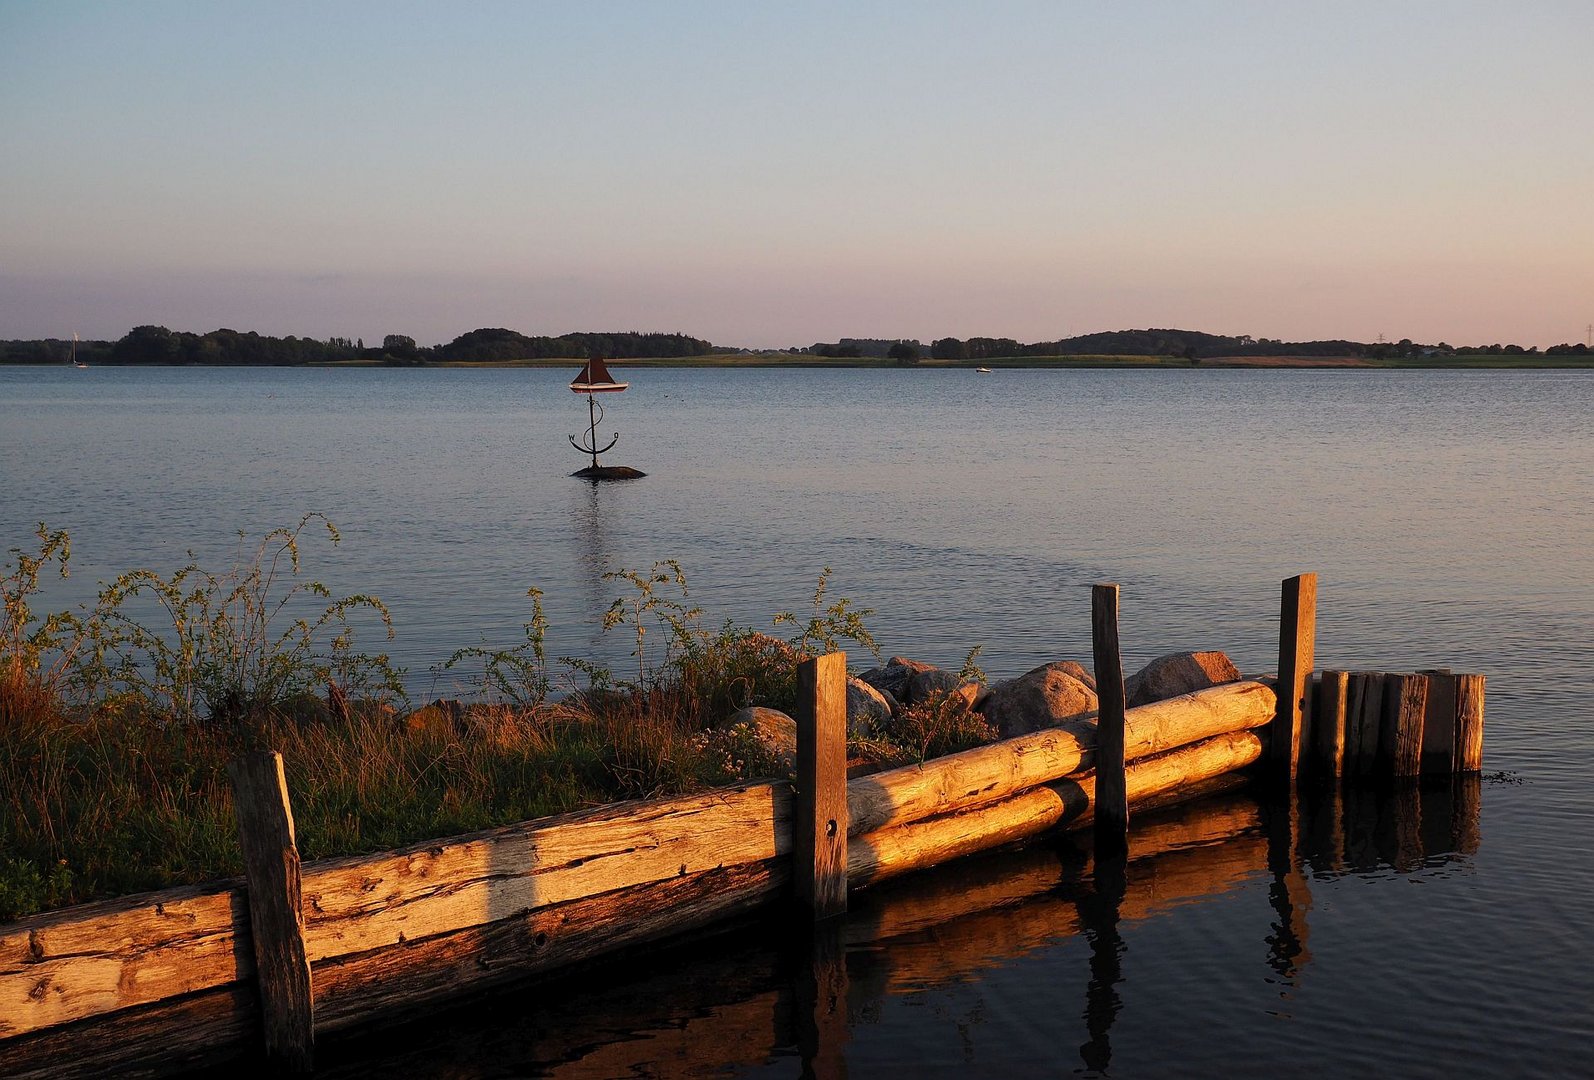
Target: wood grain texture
[1469, 723]
[819, 837]
[989, 773]
[1327, 758]
[1297, 642]
[1111, 827]
[1410, 695]
[368, 901]
[351, 989]
[115, 954]
[276, 924]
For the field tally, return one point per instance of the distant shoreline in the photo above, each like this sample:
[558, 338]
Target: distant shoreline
[1463, 361]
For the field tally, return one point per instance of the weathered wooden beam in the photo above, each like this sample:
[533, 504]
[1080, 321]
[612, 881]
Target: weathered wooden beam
[1469, 723]
[1328, 725]
[362, 902]
[1439, 724]
[1297, 641]
[1405, 702]
[1364, 720]
[117, 954]
[1111, 827]
[276, 920]
[351, 990]
[819, 840]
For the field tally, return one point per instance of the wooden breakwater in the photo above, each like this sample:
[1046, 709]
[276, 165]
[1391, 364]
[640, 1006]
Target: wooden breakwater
[190, 975]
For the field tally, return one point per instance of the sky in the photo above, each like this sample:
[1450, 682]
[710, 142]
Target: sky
[776, 174]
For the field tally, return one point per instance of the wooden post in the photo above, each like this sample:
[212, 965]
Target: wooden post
[1297, 640]
[1112, 792]
[1363, 718]
[276, 921]
[820, 834]
[1328, 724]
[1405, 702]
[1469, 723]
[1439, 724]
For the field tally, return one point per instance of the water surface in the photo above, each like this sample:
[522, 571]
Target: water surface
[1448, 514]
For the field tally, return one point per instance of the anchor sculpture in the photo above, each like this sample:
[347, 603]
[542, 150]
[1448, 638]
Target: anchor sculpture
[593, 380]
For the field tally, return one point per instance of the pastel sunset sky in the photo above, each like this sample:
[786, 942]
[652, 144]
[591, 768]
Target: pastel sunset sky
[776, 174]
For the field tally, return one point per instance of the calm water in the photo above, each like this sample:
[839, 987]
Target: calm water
[1449, 516]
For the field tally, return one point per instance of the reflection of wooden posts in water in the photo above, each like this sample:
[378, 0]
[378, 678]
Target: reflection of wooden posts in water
[819, 838]
[1289, 893]
[1098, 918]
[821, 1003]
[1297, 636]
[1111, 827]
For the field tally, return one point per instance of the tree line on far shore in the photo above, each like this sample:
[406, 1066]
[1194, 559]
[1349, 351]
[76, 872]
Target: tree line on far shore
[158, 345]
[1188, 344]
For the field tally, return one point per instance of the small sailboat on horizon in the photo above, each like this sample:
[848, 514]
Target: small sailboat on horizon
[75, 361]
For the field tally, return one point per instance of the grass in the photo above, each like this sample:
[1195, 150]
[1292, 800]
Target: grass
[116, 727]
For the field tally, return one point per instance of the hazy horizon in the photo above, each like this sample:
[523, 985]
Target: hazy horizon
[769, 177]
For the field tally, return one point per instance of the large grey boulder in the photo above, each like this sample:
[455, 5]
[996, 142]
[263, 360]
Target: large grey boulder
[772, 728]
[1044, 697]
[927, 683]
[893, 677]
[868, 709]
[1178, 673]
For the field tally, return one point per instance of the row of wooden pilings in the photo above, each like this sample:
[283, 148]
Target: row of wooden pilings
[1339, 725]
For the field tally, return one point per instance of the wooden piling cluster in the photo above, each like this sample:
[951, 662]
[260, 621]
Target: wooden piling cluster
[1382, 725]
[188, 976]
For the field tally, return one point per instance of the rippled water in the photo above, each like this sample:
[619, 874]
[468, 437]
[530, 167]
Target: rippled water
[1449, 516]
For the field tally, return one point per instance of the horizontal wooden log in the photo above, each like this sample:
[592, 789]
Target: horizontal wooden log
[367, 902]
[95, 958]
[389, 980]
[989, 773]
[903, 848]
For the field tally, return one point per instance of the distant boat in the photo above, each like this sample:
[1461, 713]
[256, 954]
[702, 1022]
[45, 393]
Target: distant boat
[75, 361]
[983, 370]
